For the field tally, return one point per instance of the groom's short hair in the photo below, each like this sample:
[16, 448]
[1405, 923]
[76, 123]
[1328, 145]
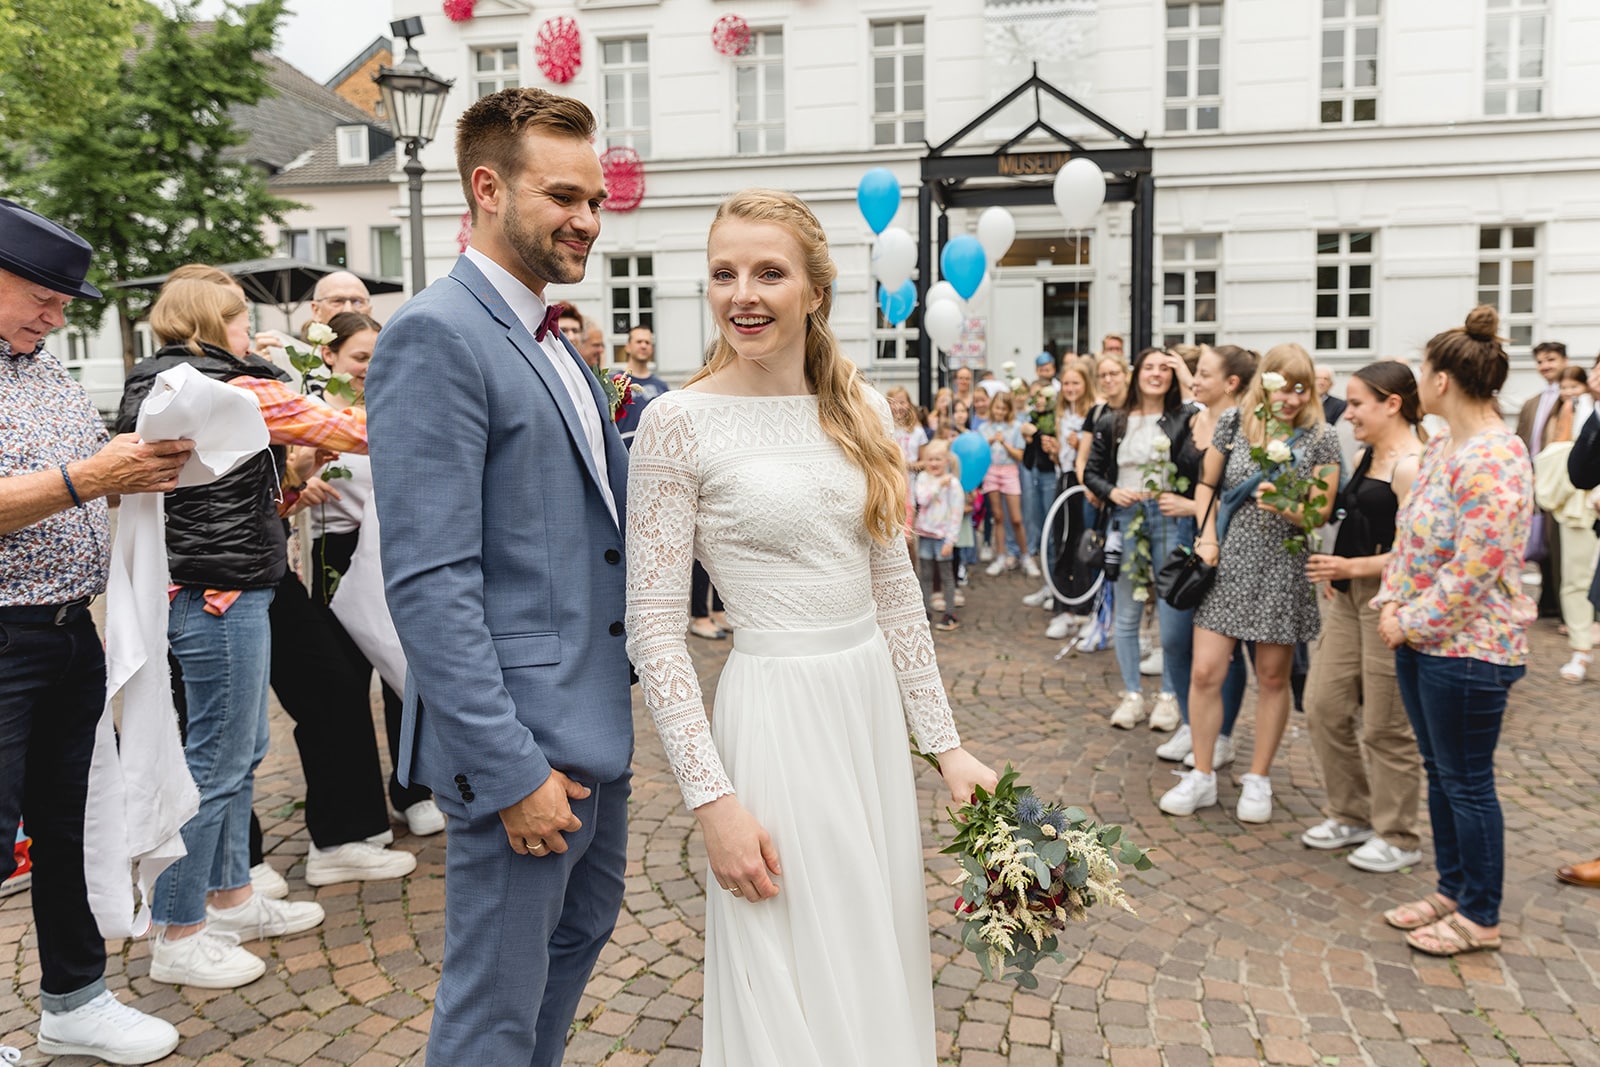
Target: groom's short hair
[489, 133]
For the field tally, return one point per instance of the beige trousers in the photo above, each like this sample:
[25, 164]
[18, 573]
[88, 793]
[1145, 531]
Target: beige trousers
[1353, 702]
[1577, 572]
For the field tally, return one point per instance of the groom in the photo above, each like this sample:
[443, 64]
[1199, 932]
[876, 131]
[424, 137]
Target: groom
[499, 482]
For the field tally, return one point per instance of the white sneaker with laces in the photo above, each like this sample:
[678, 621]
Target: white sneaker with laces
[265, 880]
[424, 819]
[985, 552]
[106, 1029]
[1380, 857]
[1061, 625]
[1167, 715]
[357, 861]
[210, 959]
[1029, 567]
[1130, 712]
[1035, 599]
[1152, 663]
[1193, 792]
[1255, 798]
[1221, 755]
[1576, 669]
[1331, 834]
[261, 917]
[995, 569]
[1177, 746]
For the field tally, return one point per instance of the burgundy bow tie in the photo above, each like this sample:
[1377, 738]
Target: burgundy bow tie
[552, 317]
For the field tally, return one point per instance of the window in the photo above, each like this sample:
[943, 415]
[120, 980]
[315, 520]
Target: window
[333, 247]
[494, 69]
[897, 82]
[1194, 65]
[352, 145]
[1513, 62]
[625, 81]
[758, 91]
[1344, 293]
[1189, 290]
[296, 244]
[386, 259]
[1506, 260]
[631, 283]
[1349, 61]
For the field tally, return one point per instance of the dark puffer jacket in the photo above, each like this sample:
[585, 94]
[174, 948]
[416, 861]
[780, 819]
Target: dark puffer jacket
[226, 535]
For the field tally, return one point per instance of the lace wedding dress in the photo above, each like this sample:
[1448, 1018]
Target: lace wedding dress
[831, 661]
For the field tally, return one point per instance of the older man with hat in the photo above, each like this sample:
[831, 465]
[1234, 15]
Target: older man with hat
[56, 470]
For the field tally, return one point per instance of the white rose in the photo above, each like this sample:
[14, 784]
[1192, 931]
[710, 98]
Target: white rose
[1141, 594]
[1272, 381]
[1161, 444]
[1008, 368]
[319, 333]
[1279, 452]
[1018, 385]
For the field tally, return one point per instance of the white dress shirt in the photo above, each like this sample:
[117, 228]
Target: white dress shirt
[574, 375]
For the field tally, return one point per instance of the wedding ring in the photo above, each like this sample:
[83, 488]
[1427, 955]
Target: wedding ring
[538, 848]
[735, 891]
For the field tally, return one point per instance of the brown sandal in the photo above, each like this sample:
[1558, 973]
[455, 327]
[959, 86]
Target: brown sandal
[1450, 939]
[1433, 904]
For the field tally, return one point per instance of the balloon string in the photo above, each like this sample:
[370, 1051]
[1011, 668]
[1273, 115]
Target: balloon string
[1077, 248]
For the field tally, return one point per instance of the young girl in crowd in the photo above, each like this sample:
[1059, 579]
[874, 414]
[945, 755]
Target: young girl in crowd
[1352, 698]
[1453, 609]
[1037, 470]
[941, 509]
[1002, 483]
[908, 432]
[1150, 426]
[1261, 592]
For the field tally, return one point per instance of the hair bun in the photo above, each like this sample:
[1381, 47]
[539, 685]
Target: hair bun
[1483, 323]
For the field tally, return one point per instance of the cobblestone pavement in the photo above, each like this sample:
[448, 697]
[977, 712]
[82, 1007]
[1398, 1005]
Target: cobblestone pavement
[1247, 947]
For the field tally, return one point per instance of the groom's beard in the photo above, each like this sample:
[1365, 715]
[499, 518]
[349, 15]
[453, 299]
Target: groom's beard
[540, 254]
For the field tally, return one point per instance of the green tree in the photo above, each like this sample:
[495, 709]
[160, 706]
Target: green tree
[59, 61]
[151, 181]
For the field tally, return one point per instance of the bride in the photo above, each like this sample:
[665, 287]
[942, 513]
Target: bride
[775, 467]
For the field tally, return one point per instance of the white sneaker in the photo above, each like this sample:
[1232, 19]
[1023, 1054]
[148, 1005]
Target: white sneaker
[1331, 834]
[1177, 746]
[985, 552]
[1152, 663]
[958, 598]
[106, 1029]
[424, 819]
[1380, 857]
[267, 882]
[995, 569]
[1036, 599]
[1062, 625]
[1255, 799]
[1166, 715]
[1130, 712]
[1576, 669]
[936, 601]
[1193, 791]
[210, 959]
[1029, 567]
[357, 861]
[1011, 563]
[262, 917]
[1221, 755]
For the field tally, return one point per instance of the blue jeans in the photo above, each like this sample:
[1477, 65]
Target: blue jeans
[225, 661]
[1177, 627]
[1233, 687]
[1456, 706]
[1038, 493]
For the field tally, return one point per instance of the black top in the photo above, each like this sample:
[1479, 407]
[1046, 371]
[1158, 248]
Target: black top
[1100, 473]
[1033, 454]
[1369, 506]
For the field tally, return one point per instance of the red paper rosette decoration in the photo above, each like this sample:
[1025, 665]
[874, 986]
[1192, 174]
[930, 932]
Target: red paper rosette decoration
[459, 10]
[464, 235]
[731, 35]
[559, 49]
[624, 174]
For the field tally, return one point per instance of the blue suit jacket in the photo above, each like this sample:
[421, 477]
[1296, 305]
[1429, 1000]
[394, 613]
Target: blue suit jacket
[502, 564]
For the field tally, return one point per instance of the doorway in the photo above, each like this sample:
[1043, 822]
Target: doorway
[1066, 317]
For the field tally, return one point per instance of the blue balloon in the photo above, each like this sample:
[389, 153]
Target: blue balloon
[962, 264]
[878, 196]
[973, 452]
[897, 304]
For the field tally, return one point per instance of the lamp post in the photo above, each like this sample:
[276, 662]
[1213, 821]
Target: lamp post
[413, 99]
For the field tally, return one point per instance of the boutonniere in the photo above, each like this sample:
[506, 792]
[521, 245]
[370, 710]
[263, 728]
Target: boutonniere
[619, 390]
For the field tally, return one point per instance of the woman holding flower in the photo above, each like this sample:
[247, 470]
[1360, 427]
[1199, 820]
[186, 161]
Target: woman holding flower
[1453, 609]
[1130, 465]
[1254, 536]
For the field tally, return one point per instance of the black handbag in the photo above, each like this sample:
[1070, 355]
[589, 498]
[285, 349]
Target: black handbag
[1092, 545]
[1184, 578]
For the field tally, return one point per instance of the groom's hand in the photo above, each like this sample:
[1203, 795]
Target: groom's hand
[535, 823]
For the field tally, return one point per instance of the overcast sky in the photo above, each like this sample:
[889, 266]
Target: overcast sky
[321, 36]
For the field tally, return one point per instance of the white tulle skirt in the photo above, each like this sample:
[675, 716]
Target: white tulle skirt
[834, 970]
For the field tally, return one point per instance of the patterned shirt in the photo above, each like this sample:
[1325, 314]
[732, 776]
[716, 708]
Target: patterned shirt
[46, 420]
[940, 506]
[1458, 549]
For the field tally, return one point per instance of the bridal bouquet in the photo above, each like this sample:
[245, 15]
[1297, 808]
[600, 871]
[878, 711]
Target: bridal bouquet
[1027, 869]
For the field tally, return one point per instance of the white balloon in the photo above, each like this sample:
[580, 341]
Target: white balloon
[894, 257]
[943, 291]
[943, 321]
[1080, 190]
[978, 302]
[996, 230]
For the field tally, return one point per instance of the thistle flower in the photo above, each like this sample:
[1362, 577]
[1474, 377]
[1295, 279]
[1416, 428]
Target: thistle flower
[1030, 809]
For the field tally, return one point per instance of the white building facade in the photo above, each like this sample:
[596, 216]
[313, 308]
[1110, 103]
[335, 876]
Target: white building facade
[1352, 175]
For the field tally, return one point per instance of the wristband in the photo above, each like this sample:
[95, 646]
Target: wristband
[72, 490]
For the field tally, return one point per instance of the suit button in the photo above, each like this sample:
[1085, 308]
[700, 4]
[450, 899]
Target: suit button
[613, 556]
[461, 779]
[468, 795]
[616, 629]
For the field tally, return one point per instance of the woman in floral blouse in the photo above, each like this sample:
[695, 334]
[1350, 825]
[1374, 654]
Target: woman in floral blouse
[1453, 610]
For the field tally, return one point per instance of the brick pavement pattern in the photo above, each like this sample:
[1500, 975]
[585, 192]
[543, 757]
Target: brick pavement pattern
[1247, 948]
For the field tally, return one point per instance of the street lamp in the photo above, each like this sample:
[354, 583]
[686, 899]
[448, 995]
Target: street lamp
[413, 99]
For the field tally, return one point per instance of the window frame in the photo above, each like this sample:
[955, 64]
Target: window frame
[635, 282]
[1189, 329]
[1343, 323]
[376, 237]
[1520, 326]
[900, 117]
[287, 239]
[1512, 87]
[1348, 96]
[319, 245]
[352, 146]
[498, 75]
[1192, 103]
[635, 133]
[766, 128]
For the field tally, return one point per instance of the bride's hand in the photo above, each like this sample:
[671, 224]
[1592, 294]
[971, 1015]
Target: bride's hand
[739, 849]
[963, 773]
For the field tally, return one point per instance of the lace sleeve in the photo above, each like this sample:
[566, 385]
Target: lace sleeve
[663, 493]
[898, 596]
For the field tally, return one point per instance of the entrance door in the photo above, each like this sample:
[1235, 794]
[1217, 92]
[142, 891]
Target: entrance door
[1014, 325]
[1066, 318]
